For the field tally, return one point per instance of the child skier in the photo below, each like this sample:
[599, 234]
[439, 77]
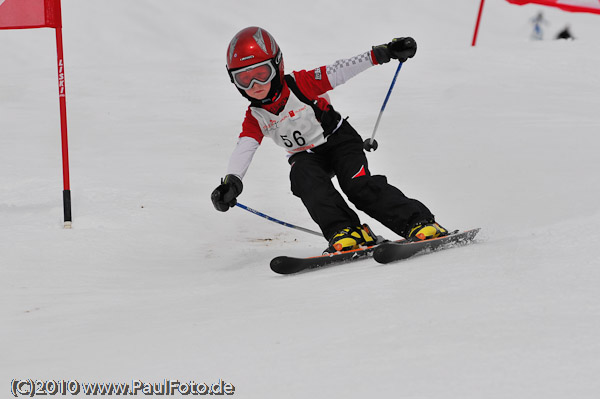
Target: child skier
[294, 111]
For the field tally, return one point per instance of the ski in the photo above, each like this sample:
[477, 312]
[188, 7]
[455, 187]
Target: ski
[385, 252]
[390, 252]
[290, 265]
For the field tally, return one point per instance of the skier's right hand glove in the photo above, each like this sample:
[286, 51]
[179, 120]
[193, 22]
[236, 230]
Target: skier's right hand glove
[224, 196]
[401, 49]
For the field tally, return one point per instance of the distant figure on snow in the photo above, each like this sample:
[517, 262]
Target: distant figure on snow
[565, 34]
[538, 21]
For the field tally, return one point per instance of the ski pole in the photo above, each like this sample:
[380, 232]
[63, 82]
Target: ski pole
[371, 144]
[254, 211]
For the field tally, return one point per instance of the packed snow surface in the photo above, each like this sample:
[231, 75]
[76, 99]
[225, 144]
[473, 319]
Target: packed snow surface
[152, 283]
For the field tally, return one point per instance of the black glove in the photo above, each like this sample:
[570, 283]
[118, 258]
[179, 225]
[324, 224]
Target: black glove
[224, 196]
[401, 49]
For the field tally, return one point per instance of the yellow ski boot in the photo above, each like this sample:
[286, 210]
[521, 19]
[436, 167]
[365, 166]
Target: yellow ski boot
[351, 238]
[426, 231]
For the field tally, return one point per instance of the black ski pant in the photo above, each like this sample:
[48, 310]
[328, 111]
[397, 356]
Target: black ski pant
[343, 156]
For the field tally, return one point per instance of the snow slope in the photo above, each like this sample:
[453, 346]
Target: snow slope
[152, 283]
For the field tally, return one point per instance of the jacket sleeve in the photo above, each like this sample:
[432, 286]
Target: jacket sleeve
[342, 70]
[248, 142]
[321, 80]
[251, 128]
[242, 155]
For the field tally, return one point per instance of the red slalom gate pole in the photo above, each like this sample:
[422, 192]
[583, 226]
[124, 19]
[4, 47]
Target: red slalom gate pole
[63, 120]
[477, 23]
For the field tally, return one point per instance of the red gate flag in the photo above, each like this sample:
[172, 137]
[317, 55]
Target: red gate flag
[22, 14]
[592, 6]
[25, 14]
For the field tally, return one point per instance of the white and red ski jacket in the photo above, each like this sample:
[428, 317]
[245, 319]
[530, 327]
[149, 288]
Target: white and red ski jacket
[289, 122]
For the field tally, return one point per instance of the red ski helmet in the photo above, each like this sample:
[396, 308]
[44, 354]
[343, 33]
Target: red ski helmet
[254, 46]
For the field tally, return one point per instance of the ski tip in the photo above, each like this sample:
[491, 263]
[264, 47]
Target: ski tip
[391, 252]
[382, 253]
[281, 265]
[276, 263]
[471, 233]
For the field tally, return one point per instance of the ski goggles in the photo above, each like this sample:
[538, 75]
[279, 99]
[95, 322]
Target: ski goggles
[261, 73]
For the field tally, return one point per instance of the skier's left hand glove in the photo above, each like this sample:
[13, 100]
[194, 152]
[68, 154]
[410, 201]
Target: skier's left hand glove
[401, 49]
[224, 196]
